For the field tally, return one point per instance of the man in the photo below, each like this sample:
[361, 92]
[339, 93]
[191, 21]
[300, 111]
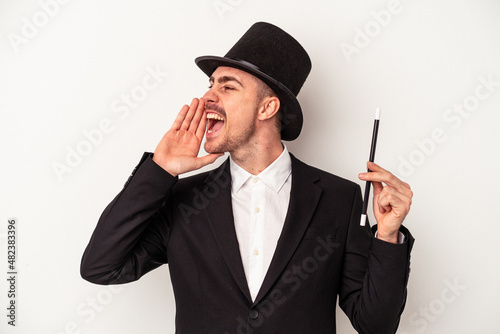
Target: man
[264, 243]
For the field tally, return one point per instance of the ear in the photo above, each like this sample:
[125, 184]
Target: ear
[268, 108]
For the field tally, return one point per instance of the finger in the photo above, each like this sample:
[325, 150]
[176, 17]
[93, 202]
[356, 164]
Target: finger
[377, 187]
[380, 189]
[190, 114]
[390, 199]
[180, 118]
[202, 126]
[378, 174]
[200, 110]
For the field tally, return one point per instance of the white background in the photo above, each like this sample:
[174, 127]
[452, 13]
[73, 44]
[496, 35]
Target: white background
[63, 74]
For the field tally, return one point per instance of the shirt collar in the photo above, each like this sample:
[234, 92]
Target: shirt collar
[274, 176]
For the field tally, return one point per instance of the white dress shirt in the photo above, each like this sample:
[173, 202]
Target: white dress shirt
[260, 203]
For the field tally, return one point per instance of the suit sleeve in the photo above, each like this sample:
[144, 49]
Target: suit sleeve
[131, 236]
[374, 278]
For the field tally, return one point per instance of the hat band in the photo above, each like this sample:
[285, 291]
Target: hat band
[246, 63]
[255, 67]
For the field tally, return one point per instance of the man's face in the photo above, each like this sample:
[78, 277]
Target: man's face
[231, 108]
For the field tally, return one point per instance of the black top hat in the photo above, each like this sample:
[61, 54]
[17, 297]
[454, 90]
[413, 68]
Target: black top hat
[275, 57]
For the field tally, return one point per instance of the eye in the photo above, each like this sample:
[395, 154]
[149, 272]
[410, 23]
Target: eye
[228, 88]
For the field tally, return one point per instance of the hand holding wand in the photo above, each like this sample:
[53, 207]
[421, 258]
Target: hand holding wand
[372, 158]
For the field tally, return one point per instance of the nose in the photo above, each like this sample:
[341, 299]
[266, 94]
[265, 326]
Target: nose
[210, 96]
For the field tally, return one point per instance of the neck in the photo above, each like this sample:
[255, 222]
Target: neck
[259, 156]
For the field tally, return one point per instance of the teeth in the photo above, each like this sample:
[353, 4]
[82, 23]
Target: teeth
[215, 116]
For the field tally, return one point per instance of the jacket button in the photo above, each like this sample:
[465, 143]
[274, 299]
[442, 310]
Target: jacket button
[253, 314]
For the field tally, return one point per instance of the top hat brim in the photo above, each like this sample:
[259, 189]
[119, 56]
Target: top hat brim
[292, 118]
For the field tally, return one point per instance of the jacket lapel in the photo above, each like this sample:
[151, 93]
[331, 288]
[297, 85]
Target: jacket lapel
[220, 217]
[304, 197]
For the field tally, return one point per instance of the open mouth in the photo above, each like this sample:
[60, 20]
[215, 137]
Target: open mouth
[215, 123]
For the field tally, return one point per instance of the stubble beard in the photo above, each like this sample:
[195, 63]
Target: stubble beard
[230, 143]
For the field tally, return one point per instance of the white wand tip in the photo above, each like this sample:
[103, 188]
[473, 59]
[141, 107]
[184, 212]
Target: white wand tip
[363, 220]
[377, 113]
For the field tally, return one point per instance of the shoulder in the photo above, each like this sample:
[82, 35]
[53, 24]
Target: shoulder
[321, 177]
[217, 177]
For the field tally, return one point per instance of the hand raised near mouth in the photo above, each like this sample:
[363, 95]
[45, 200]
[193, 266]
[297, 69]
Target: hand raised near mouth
[177, 151]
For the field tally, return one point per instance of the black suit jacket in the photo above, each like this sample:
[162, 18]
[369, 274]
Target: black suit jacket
[322, 252]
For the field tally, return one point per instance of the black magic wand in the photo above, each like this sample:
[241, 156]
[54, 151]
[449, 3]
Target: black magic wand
[372, 158]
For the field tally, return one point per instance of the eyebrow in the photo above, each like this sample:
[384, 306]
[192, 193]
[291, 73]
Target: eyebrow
[225, 79]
